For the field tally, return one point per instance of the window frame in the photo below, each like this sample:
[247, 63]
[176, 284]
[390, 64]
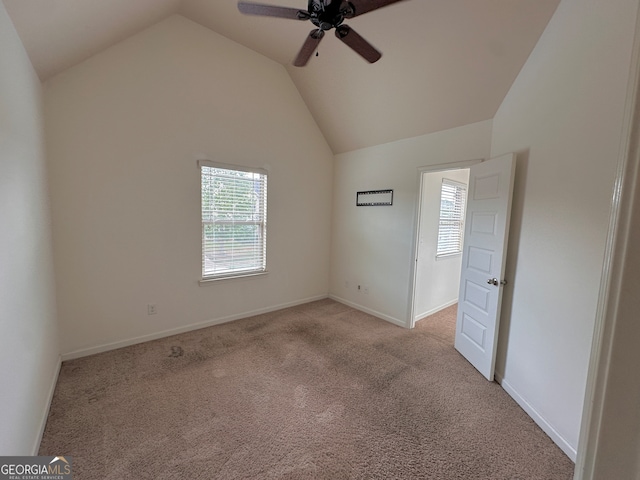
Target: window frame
[262, 222]
[460, 220]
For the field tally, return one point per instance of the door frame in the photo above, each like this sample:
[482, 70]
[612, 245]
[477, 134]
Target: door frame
[440, 167]
[610, 302]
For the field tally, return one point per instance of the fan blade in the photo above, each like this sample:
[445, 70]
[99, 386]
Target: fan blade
[310, 45]
[358, 44]
[354, 8]
[272, 11]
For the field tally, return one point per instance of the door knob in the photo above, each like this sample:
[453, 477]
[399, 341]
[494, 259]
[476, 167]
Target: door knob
[493, 281]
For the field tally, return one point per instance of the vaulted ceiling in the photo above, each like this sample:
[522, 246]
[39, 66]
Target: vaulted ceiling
[445, 63]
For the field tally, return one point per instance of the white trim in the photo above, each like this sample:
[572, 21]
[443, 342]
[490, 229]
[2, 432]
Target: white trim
[440, 167]
[45, 413]
[625, 188]
[434, 310]
[187, 328]
[370, 311]
[546, 427]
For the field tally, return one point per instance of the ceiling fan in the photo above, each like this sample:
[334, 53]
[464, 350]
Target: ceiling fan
[325, 15]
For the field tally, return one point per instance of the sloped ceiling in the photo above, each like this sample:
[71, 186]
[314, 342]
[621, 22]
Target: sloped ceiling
[445, 63]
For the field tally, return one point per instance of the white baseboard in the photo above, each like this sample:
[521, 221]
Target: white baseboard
[435, 310]
[546, 427]
[370, 311]
[45, 413]
[187, 328]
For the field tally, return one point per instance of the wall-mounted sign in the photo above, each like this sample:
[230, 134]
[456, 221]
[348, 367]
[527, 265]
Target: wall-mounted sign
[374, 198]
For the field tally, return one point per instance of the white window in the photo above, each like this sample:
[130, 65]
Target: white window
[234, 220]
[451, 227]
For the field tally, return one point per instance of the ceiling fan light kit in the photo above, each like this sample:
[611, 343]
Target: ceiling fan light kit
[325, 15]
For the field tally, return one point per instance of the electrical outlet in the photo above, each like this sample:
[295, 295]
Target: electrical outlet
[359, 288]
[151, 309]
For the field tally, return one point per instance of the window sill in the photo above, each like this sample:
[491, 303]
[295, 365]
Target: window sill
[448, 256]
[209, 281]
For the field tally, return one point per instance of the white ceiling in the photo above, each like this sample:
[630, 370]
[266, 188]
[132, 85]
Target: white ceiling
[445, 63]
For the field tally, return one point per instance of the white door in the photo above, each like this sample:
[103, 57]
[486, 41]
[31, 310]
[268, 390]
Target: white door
[483, 261]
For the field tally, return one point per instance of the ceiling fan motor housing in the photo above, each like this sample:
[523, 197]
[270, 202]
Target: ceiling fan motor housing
[326, 14]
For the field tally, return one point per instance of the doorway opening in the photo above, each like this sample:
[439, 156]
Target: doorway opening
[482, 263]
[438, 242]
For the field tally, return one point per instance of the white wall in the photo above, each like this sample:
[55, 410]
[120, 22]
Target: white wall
[29, 357]
[373, 246]
[564, 116]
[437, 279]
[123, 130]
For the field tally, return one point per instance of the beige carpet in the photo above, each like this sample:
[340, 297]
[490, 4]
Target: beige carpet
[319, 391]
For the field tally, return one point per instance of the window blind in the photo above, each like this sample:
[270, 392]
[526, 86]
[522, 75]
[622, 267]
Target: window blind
[234, 221]
[451, 225]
